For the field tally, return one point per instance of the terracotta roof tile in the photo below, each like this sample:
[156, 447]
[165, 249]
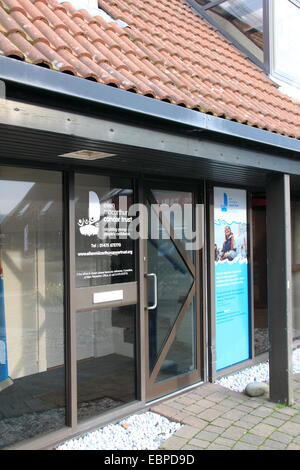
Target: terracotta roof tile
[28, 27]
[167, 52]
[31, 53]
[8, 24]
[8, 48]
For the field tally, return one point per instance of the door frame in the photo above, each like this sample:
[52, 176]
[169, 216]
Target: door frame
[80, 299]
[152, 390]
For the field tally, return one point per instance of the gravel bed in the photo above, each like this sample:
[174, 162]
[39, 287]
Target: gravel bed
[147, 431]
[258, 373]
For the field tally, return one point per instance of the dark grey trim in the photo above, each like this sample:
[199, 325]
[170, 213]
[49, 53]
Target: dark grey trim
[279, 269]
[213, 4]
[267, 35]
[38, 133]
[49, 80]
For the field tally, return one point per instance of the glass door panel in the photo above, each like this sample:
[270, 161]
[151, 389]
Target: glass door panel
[106, 294]
[181, 357]
[178, 209]
[106, 360]
[174, 282]
[173, 292]
[104, 252]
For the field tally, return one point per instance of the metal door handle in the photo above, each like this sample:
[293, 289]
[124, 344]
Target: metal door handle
[152, 307]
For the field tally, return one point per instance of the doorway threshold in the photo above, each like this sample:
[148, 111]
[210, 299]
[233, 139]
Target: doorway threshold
[174, 394]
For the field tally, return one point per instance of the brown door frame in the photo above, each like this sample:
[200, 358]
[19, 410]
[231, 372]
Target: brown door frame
[156, 390]
[80, 299]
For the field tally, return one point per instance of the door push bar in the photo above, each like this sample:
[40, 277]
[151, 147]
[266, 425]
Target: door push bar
[153, 275]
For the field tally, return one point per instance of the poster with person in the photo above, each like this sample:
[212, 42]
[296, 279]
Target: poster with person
[3, 348]
[231, 276]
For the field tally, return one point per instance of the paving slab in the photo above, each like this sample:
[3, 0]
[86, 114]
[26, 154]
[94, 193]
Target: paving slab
[215, 418]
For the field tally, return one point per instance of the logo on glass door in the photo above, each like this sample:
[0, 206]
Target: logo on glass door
[115, 218]
[89, 226]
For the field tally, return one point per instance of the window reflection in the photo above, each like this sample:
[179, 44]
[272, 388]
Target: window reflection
[106, 367]
[296, 267]
[181, 357]
[246, 15]
[242, 20]
[32, 391]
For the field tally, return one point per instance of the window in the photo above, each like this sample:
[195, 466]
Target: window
[265, 30]
[284, 43]
[32, 350]
[241, 21]
[295, 213]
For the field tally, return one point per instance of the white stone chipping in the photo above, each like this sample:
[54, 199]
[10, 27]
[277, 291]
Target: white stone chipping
[147, 431]
[258, 373]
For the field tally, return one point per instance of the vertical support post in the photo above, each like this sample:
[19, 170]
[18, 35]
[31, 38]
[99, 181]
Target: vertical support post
[142, 327]
[212, 359]
[70, 305]
[279, 288]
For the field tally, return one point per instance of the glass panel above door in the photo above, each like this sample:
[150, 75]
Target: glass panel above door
[104, 251]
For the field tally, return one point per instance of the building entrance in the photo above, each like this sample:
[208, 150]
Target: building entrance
[172, 265]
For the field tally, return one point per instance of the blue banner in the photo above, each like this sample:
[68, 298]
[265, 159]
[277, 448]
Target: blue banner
[231, 277]
[3, 348]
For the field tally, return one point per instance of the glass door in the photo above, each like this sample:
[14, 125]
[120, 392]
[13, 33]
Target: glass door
[105, 291]
[173, 290]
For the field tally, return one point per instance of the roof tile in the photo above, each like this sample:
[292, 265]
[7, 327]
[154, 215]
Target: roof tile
[28, 27]
[31, 53]
[14, 5]
[8, 48]
[32, 12]
[8, 24]
[168, 52]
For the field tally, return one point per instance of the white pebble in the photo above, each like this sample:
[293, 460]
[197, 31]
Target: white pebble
[259, 373]
[145, 431]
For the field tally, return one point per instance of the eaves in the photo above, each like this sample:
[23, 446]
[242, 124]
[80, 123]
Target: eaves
[21, 73]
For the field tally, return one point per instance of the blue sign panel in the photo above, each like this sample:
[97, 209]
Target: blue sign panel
[231, 277]
[3, 349]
